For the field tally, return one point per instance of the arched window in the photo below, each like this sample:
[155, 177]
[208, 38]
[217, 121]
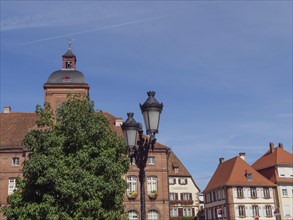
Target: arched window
[132, 215]
[153, 215]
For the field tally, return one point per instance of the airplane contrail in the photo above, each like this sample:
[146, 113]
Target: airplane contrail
[95, 29]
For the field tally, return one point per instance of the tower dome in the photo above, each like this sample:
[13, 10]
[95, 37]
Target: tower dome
[65, 82]
[68, 74]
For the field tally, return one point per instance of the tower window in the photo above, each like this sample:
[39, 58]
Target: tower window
[15, 161]
[68, 65]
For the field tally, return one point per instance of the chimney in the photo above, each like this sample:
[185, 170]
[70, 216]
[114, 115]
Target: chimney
[7, 109]
[242, 156]
[272, 148]
[280, 145]
[118, 122]
[221, 160]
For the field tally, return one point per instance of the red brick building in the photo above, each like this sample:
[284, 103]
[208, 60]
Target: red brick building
[61, 83]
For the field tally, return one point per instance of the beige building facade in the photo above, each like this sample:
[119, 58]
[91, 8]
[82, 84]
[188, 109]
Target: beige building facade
[237, 191]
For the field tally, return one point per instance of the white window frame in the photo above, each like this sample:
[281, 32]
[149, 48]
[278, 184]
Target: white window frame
[183, 181]
[132, 215]
[187, 212]
[241, 211]
[284, 191]
[153, 215]
[268, 211]
[239, 192]
[186, 196]
[172, 180]
[11, 185]
[152, 183]
[132, 184]
[266, 193]
[173, 212]
[253, 192]
[173, 196]
[282, 172]
[151, 160]
[15, 161]
[255, 210]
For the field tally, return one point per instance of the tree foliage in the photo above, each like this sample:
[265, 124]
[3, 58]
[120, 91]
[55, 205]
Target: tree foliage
[75, 167]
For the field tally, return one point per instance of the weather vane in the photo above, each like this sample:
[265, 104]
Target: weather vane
[70, 42]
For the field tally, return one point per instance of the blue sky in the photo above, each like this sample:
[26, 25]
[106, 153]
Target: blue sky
[223, 69]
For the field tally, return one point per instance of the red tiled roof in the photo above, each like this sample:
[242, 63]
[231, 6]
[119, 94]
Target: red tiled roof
[267, 163]
[232, 173]
[174, 162]
[14, 127]
[277, 156]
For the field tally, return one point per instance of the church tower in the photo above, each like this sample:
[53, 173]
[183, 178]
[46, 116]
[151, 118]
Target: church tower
[64, 82]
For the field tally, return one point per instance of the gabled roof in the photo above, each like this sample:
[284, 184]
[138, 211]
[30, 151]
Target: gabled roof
[174, 162]
[14, 127]
[234, 172]
[273, 157]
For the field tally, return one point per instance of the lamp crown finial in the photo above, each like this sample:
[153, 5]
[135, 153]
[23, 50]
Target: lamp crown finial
[151, 94]
[130, 114]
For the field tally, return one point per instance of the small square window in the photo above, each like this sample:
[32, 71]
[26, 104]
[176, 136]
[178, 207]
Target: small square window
[151, 160]
[15, 161]
[183, 181]
[176, 169]
[172, 181]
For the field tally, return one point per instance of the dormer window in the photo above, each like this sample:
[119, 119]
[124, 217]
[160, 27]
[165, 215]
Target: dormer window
[248, 175]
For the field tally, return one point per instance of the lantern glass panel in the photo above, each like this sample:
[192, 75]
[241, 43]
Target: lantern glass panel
[151, 119]
[130, 137]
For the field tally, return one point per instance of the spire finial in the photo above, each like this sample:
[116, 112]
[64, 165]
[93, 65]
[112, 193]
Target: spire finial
[69, 43]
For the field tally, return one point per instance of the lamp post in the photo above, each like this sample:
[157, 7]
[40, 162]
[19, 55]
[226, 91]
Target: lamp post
[138, 146]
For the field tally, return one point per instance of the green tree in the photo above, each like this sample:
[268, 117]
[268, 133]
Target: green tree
[75, 167]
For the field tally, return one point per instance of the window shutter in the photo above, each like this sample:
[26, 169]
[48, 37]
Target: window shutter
[236, 211]
[271, 192]
[193, 212]
[261, 193]
[250, 212]
[181, 196]
[260, 211]
[190, 196]
[174, 180]
[245, 192]
[180, 211]
[179, 181]
[234, 192]
[248, 193]
[176, 196]
[185, 180]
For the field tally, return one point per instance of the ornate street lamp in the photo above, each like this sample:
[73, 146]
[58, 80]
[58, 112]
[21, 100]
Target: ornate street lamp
[138, 146]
